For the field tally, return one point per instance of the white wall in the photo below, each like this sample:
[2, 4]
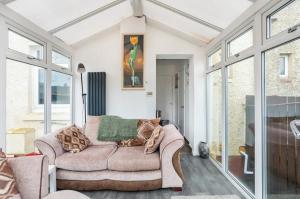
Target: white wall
[103, 53]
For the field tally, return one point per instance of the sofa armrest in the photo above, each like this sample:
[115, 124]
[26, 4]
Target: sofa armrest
[50, 146]
[170, 146]
[31, 174]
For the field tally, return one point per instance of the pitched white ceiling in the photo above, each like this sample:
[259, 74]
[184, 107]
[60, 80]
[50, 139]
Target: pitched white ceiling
[199, 20]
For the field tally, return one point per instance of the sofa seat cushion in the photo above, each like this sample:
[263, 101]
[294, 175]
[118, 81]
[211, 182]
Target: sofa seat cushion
[133, 159]
[93, 158]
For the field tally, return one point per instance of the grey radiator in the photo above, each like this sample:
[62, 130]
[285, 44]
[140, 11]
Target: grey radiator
[96, 93]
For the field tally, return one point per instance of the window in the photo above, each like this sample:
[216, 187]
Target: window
[215, 58]
[283, 18]
[61, 87]
[24, 45]
[214, 99]
[241, 43]
[283, 66]
[24, 125]
[241, 122]
[61, 60]
[282, 100]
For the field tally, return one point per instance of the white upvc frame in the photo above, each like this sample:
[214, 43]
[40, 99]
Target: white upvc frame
[257, 14]
[11, 20]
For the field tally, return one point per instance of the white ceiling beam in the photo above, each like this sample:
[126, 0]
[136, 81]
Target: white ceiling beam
[88, 15]
[184, 14]
[137, 8]
[6, 1]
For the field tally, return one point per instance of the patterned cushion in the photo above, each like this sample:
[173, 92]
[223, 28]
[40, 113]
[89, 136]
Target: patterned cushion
[154, 141]
[145, 129]
[8, 186]
[72, 139]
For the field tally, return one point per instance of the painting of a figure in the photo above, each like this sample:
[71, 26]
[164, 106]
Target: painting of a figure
[133, 62]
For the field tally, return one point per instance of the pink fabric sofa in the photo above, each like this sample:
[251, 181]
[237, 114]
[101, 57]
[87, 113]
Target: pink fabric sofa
[104, 165]
[31, 174]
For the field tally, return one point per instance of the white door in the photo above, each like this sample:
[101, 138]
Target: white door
[181, 102]
[164, 96]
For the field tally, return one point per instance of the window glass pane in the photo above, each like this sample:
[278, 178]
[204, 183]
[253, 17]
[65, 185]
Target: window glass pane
[215, 114]
[241, 43]
[25, 113]
[61, 85]
[215, 58]
[241, 123]
[60, 60]
[282, 122]
[284, 18]
[21, 44]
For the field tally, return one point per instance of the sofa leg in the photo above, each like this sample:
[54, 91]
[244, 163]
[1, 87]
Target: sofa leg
[177, 189]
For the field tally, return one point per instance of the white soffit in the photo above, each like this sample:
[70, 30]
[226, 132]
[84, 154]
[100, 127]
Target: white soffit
[95, 24]
[178, 22]
[50, 14]
[218, 12]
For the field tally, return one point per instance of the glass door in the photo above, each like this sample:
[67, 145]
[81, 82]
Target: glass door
[241, 122]
[215, 123]
[282, 120]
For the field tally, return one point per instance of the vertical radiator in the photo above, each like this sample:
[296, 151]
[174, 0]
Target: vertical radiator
[96, 93]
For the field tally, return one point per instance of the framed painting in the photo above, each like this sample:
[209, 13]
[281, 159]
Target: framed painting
[133, 62]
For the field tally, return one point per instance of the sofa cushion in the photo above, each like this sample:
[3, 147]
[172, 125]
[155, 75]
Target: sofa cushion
[91, 129]
[72, 139]
[133, 159]
[154, 141]
[93, 158]
[8, 185]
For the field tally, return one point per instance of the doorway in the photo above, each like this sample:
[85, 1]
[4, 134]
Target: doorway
[172, 92]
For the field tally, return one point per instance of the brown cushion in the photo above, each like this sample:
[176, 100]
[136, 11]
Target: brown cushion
[154, 141]
[133, 159]
[145, 129]
[93, 158]
[72, 139]
[8, 186]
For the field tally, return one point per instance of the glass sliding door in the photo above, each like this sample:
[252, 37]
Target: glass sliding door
[25, 121]
[282, 121]
[61, 87]
[215, 123]
[240, 121]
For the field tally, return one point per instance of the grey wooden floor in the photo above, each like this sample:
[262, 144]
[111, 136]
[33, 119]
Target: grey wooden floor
[201, 177]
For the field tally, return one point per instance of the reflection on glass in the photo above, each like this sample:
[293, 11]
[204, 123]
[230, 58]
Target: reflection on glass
[284, 18]
[282, 108]
[215, 114]
[215, 58]
[23, 45]
[61, 85]
[60, 60]
[241, 123]
[241, 43]
[24, 111]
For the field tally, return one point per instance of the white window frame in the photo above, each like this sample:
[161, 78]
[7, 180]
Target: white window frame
[63, 53]
[215, 50]
[258, 15]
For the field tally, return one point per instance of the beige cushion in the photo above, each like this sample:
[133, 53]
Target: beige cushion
[133, 159]
[154, 141]
[91, 131]
[66, 194]
[93, 158]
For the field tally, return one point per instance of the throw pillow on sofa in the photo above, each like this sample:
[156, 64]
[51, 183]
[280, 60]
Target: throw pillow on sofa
[144, 132]
[8, 185]
[72, 139]
[154, 141]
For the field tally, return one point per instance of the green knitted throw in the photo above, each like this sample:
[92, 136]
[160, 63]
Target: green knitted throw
[114, 128]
